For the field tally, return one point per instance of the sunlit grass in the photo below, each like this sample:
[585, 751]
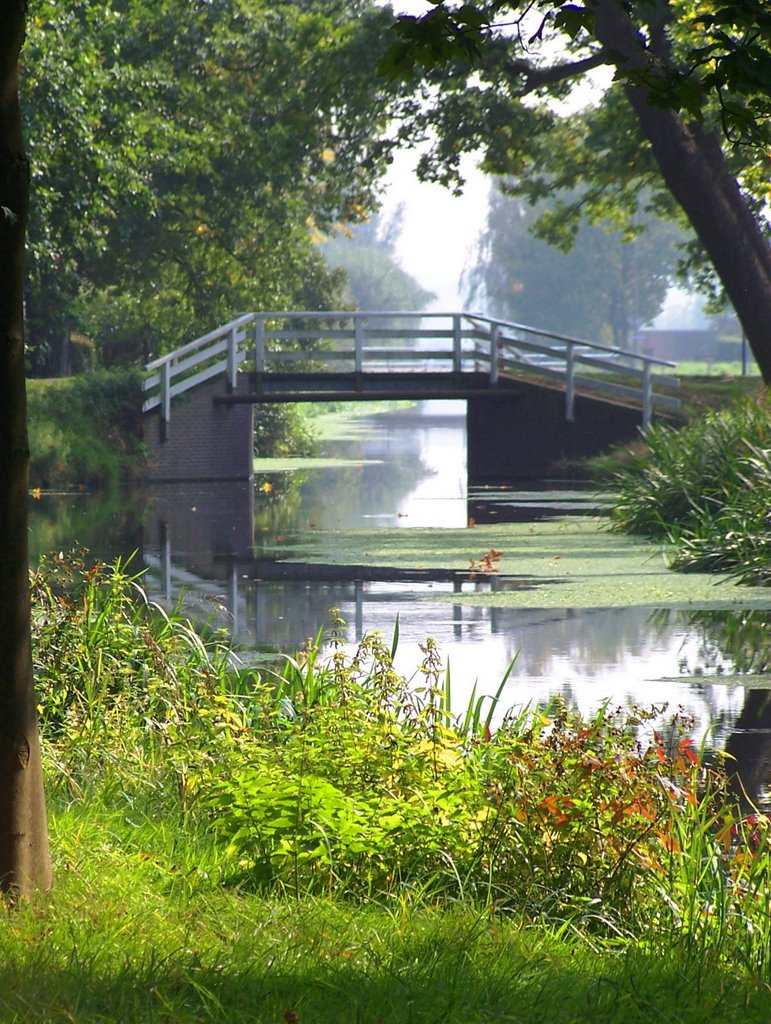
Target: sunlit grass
[402, 863]
[129, 936]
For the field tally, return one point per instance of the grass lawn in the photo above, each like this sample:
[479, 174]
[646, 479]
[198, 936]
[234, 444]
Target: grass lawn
[137, 931]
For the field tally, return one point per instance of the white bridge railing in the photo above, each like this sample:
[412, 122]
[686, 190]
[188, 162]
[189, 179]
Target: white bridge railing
[340, 342]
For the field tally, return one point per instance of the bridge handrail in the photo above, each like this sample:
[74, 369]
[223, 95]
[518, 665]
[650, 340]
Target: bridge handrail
[502, 349]
[570, 338]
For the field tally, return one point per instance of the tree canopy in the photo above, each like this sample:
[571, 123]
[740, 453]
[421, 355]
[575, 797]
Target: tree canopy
[682, 130]
[179, 149]
[604, 287]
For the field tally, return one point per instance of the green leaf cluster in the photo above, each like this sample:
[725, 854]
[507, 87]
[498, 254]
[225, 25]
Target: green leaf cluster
[181, 153]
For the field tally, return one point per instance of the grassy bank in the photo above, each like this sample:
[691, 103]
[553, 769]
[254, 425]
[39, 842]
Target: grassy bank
[329, 844]
[85, 431]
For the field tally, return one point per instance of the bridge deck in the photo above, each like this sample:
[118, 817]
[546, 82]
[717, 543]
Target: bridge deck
[325, 387]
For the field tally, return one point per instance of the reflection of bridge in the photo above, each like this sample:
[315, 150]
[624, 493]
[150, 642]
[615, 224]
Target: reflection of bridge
[533, 397]
[277, 605]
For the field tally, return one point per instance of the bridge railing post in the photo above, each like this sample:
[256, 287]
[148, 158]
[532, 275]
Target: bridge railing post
[647, 395]
[358, 342]
[570, 382]
[494, 332]
[457, 353]
[165, 396]
[232, 367]
[259, 346]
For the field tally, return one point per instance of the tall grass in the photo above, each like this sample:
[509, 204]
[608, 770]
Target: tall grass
[336, 779]
[706, 488]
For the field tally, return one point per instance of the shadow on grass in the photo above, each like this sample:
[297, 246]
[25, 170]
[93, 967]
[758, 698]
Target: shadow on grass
[457, 975]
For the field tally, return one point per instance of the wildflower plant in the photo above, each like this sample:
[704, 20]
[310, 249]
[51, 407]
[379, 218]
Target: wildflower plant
[334, 775]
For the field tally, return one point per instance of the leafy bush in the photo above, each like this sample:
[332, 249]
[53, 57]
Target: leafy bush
[707, 489]
[338, 776]
[281, 430]
[85, 430]
[353, 780]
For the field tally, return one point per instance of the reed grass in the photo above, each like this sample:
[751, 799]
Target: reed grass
[326, 842]
[706, 488]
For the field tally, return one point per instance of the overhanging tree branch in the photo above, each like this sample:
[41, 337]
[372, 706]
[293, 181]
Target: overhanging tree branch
[534, 78]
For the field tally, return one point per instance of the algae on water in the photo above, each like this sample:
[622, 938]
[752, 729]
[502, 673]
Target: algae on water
[580, 563]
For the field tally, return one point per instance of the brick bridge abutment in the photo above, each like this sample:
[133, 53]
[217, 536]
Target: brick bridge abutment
[517, 433]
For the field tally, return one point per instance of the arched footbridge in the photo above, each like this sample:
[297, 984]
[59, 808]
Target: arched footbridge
[533, 396]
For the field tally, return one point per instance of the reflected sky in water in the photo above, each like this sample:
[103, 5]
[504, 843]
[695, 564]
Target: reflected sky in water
[406, 469]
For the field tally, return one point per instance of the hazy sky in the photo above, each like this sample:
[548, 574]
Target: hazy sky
[440, 230]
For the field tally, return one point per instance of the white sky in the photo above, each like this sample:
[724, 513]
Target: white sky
[440, 230]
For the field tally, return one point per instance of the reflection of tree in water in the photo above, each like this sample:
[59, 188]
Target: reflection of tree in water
[592, 638]
[104, 524]
[744, 637]
[333, 498]
[730, 643]
[742, 640]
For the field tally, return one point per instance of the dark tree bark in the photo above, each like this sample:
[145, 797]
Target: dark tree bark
[695, 170]
[24, 858]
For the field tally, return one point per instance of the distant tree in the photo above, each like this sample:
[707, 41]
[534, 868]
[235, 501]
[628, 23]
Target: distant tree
[366, 252]
[687, 120]
[24, 857]
[602, 288]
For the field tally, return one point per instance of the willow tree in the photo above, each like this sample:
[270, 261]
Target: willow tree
[24, 858]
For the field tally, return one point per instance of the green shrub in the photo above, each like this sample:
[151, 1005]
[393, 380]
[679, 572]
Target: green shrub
[281, 430]
[126, 691]
[85, 430]
[706, 488]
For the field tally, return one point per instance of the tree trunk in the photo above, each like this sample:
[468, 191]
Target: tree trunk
[24, 857]
[695, 170]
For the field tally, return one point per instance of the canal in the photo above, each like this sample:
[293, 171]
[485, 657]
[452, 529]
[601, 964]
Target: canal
[233, 557]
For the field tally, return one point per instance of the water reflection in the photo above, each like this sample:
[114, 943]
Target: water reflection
[739, 643]
[206, 544]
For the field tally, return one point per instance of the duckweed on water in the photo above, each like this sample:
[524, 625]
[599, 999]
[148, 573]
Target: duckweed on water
[592, 567]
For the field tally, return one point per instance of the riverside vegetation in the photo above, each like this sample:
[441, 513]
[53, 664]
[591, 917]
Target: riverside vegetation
[85, 431]
[706, 488]
[328, 842]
